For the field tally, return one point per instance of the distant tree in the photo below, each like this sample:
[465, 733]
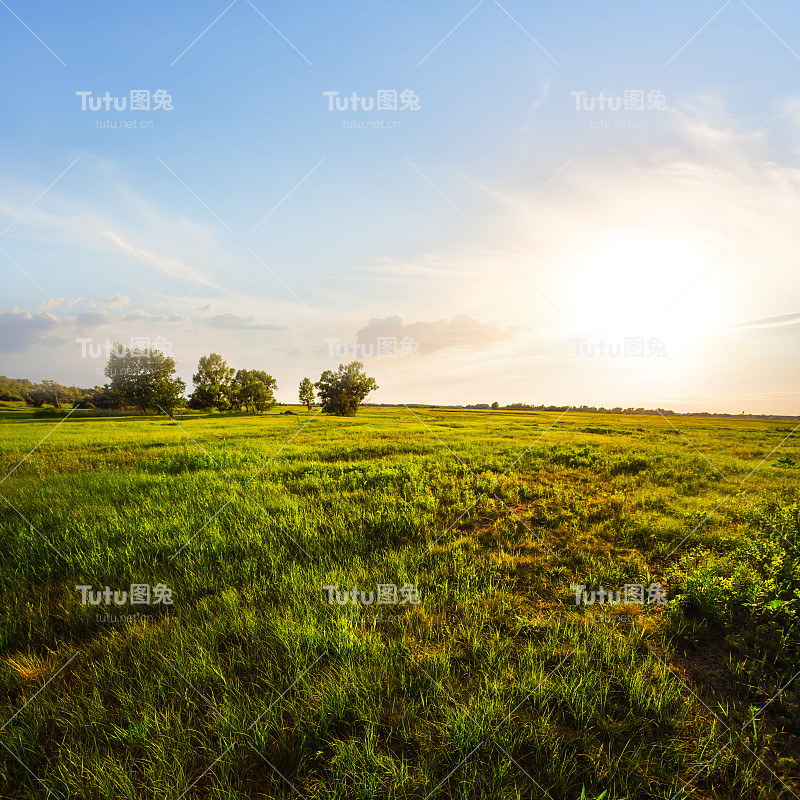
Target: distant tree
[48, 391]
[38, 396]
[261, 390]
[341, 392]
[307, 393]
[100, 397]
[253, 389]
[236, 391]
[106, 398]
[15, 389]
[143, 379]
[495, 405]
[168, 395]
[53, 391]
[212, 383]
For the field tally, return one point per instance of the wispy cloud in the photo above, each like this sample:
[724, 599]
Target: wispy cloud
[778, 321]
[169, 265]
[431, 337]
[238, 322]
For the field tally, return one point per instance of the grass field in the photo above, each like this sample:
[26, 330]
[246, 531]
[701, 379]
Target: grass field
[494, 685]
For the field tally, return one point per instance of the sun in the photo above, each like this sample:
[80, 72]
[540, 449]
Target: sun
[635, 282]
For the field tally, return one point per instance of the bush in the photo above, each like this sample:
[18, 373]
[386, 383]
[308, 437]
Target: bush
[760, 577]
[49, 413]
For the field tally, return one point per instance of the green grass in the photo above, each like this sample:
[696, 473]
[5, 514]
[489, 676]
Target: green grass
[250, 685]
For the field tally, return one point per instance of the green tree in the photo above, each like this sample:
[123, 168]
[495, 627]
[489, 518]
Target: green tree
[48, 391]
[212, 383]
[101, 397]
[168, 395]
[15, 388]
[38, 396]
[143, 379]
[495, 405]
[307, 393]
[55, 392]
[342, 392]
[254, 389]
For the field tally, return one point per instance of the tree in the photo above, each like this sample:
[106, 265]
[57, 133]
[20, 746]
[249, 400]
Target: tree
[236, 391]
[144, 379]
[168, 395]
[212, 383]
[54, 391]
[253, 388]
[307, 393]
[101, 397]
[48, 391]
[38, 396]
[495, 405]
[15, 388]
[341, 392]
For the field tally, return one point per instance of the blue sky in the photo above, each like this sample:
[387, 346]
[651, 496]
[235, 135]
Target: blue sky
[524, 250]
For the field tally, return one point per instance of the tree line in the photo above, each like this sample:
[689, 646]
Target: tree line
[37, 394]
[145, 381]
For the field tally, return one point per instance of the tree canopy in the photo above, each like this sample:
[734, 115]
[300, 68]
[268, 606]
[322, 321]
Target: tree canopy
[221, 387]
[144, 379]
[306, 393]
[212, 383]
[252, 389]
[342, 392]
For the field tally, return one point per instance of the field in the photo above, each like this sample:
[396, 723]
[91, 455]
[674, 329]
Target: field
[496, 684]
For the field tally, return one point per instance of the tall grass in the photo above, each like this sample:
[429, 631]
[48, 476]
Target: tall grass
[251, 685]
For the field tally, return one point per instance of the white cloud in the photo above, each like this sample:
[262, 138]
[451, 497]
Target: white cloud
[52, 303]
[20, 330]
[89, 320]
[116, 301]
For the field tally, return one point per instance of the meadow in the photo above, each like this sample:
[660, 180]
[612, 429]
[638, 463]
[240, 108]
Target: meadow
[495, 684]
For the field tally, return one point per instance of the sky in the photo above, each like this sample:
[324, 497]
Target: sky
[570, 203]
